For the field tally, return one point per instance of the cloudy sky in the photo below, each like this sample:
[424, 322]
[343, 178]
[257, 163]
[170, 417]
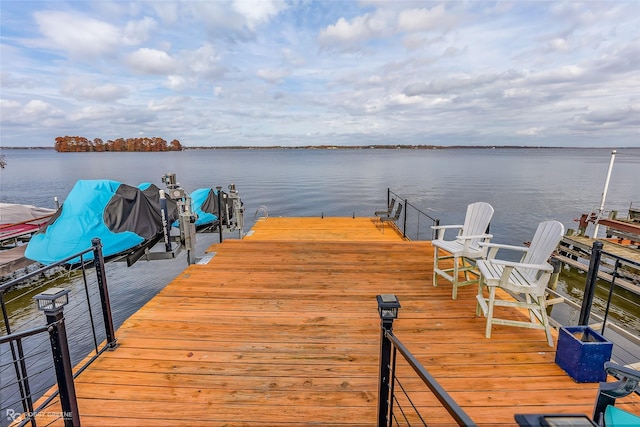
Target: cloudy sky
[300, 72]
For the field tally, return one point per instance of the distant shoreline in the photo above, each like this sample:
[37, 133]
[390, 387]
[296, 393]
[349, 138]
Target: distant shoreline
[346, 147]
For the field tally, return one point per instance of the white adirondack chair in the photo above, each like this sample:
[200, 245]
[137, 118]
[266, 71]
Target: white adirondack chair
[528, 278]
[465, 249]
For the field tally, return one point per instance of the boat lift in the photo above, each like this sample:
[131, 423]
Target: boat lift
[231, 219]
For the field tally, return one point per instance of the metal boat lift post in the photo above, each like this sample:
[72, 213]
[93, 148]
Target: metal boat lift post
[231, 217]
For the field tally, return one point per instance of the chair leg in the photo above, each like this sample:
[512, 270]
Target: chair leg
[545, 320]
[480, 296]
[456, 271]
[532, 316]
[435, 266]
[492, 297]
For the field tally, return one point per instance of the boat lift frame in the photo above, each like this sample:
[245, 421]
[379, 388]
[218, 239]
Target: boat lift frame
[186, 221]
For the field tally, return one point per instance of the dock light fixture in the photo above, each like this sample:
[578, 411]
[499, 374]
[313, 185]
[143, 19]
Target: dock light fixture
[388, 306]
[52, 300]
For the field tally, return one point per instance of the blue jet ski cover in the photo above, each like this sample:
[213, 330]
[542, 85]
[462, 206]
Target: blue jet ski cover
[122, 216]
[204, 202]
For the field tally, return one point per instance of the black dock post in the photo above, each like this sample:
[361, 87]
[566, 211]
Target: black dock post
[590, 285]
[98, 261]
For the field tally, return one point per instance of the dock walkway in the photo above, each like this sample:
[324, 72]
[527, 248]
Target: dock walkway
[282, 329]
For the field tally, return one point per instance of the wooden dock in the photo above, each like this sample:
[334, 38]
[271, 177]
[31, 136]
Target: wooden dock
[575, 248]
[282, 329]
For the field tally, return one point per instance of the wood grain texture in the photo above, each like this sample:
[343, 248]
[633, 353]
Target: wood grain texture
[282, 329]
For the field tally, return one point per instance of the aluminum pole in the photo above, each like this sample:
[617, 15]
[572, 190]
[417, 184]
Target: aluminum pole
[604, 195]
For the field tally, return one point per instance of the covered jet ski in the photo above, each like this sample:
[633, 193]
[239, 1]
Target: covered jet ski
[125, 218]
[204, 202]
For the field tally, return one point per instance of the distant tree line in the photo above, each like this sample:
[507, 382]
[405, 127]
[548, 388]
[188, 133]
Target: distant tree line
[75, 144]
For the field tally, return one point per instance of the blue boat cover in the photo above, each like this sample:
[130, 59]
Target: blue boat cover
[122, 216]
[204, 205]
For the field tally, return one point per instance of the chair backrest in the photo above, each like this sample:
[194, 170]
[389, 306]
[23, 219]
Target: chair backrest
[545, 241]
[392, 203]
[477, 221]
[398, 212]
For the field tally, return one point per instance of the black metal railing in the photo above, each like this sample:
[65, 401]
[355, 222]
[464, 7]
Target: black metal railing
[619, 263]
[398, 405]
[414, 223]
[27, 367]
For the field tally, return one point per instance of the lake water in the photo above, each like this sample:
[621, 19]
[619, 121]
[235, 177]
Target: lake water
[525, 186]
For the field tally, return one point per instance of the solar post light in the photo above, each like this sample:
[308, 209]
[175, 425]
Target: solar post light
[52, 300]
[388, 306]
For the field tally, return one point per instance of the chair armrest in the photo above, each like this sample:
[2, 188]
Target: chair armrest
[621, 371]
[445, 227]
[441, 229]
[477, 236]
[503, 246]
[495, 247]
[543, 267]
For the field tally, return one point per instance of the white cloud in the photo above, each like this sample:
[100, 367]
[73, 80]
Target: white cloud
[569, 73]
[516, 92]
[9, 105]
[171, 103]
[436, 18]
[168, 11]
[176, 82]
[84, 90]
[78, 34]
[35, 112]
[93, 113]
[530, 132]
[390, 70]
[359, 29]
[258, 12]
[204, 61]
[559, 44]
[137, 32]
[151, 61]
[36, 107]
[272, 76]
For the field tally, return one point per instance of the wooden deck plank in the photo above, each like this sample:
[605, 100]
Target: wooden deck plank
[276, 330]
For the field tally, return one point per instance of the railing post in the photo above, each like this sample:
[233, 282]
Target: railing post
[219, 188]
[52, 302]
[98, 261]
[19, 364]
[590, 285]
[435, 232]
[614, 275]
[404, 222]
[388, 306]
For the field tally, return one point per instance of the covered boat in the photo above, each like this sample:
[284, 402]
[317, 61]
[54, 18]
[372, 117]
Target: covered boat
[19, 222]
[123, 217]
